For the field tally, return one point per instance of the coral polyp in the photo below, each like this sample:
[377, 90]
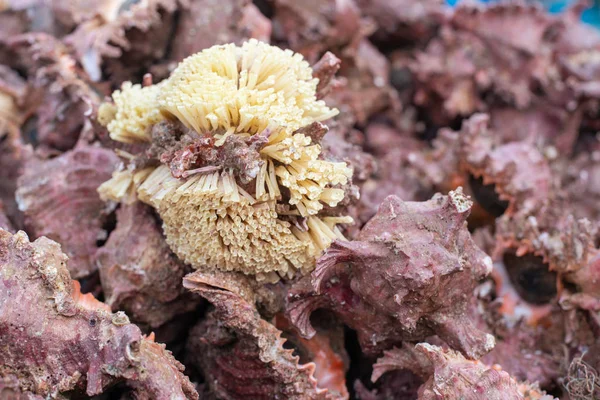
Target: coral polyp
[236, 183]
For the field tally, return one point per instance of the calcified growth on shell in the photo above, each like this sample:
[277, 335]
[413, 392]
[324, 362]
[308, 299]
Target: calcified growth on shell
[248, 189]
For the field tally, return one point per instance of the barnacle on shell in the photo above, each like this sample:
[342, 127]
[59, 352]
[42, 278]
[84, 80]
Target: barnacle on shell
[249, 186]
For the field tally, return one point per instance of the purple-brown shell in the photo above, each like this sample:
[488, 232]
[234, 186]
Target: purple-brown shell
[55, 340]
[408, 275]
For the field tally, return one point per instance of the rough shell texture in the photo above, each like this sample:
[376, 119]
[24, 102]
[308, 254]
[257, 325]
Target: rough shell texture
[410, 273]
[140, 275]
[9, 389]
[409, 74]
[586, 294]
[367, 90]
[403, 19]
[401, 384]
[519, 172]
[471, 380]
[13, 90]
[534, 353]
[59, 200]
[541, 125]
[12, 22]
[395, 173]
[315, 26]
[82, 345]
[581, 182]
[236, 348]
[550, 231]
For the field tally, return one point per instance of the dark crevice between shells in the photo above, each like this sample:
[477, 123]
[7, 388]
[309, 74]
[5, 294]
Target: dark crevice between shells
[109, 225]
[487, 197]
[91, 284]
[290, 344]
[531, 278]
[401, 79]
[428, 125]
[554, 391]
[172, 32]
[265, 7]
[117, 392]
[175, 335]
[361, 367]
[29, 132]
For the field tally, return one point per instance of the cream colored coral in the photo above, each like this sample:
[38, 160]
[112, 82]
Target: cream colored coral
[118, 187]
[306, 177]
[134, 111]
[244, 89]
[123, 185]
[209, 220]
[230, 230]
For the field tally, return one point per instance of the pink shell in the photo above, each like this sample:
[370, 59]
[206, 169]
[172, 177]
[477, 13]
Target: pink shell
[140, 275]
[59, 200]
[55, 339]
[409, 274]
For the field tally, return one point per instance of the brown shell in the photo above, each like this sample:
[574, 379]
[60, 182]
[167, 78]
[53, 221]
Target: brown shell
[54, 339]
[471, 380]
[408, 275]
[241, 354]
[140, 275]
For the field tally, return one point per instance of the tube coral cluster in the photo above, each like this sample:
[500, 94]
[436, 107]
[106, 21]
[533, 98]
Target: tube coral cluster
[269, 221]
